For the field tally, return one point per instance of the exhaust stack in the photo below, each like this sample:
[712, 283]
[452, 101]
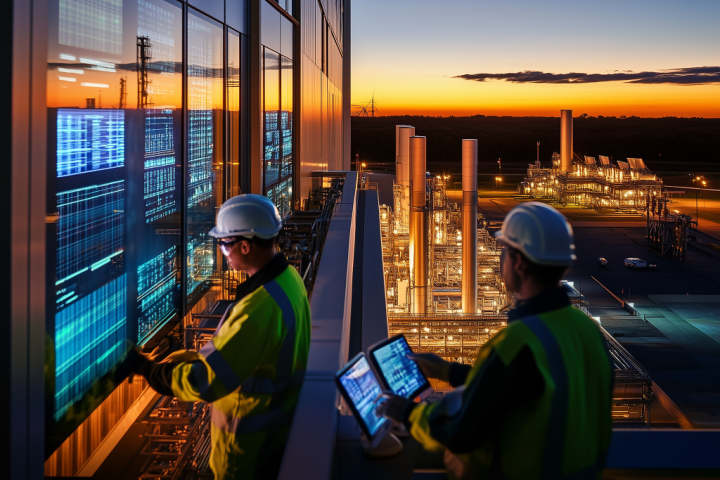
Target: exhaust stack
[418, 244]
[404, 134]
[469, 226]
[566, 141]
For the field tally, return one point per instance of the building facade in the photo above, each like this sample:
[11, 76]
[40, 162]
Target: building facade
[129, 123]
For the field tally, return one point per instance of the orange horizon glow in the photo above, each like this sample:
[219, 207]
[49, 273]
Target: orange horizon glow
[447, 96]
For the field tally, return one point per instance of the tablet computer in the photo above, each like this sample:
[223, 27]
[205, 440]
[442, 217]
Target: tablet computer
[397, 373]
[361, 390]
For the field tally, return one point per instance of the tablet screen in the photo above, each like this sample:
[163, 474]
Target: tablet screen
[401, 374]
[363, 389]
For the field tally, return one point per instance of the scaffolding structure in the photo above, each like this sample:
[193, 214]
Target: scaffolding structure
[144, 55]
[668, 231]
[444, 256]
[599, 185]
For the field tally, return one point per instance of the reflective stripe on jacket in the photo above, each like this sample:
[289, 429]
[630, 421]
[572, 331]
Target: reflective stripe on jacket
[564, 431]
[252, 371]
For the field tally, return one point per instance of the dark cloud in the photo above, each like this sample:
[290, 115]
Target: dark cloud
[675, 76]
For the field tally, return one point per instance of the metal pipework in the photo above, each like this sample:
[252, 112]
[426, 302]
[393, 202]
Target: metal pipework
[566, 141]
[418, 243]
[469, 226]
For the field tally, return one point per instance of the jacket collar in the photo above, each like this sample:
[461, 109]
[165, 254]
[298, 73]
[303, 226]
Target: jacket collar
[547, 301]
[275, 267]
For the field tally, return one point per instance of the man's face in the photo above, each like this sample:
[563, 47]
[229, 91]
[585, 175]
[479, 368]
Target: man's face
[510, 268]
[236, 252]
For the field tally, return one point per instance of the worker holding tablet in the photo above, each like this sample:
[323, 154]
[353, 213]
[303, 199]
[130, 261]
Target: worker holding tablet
[536, 404]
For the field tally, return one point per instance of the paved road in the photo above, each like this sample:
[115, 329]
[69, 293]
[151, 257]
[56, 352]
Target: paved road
[680, 343]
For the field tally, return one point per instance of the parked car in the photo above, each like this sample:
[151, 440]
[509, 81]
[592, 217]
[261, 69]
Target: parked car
[603, 263]
[635, 263]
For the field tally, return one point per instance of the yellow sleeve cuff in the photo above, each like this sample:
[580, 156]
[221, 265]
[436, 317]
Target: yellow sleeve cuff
[420, 427]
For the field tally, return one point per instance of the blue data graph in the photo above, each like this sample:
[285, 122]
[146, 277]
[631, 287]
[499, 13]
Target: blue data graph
[287, 143]
[157, 279]
[90, 338]
[90, 228]
[271, 147]
[200, 143]
[89, 140]
[159, 132]
[160, 185]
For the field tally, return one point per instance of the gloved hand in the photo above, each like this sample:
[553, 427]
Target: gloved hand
[391, 406]
[136, 361]
[432, 365]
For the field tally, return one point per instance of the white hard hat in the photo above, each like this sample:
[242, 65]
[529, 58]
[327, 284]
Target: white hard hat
[247, 216]
[540, 232]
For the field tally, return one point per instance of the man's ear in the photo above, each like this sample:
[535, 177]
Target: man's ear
[519, 266]
[244, 247]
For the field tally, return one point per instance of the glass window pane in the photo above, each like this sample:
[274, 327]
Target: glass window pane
[286, 116]
[114, 98]
[270, 26]
[214, 8]
[286, 37]
[271, 110]
[236, 14]
[205, 142]
[232, 104]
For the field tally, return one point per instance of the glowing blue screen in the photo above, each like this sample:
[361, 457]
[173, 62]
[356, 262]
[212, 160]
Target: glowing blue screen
[89, 140]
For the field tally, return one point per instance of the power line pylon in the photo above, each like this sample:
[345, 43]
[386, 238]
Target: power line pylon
[144, 55]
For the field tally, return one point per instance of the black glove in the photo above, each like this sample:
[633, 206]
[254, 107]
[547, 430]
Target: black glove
[393, 407]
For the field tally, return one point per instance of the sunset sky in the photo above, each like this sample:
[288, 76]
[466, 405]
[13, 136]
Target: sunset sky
[631, 57]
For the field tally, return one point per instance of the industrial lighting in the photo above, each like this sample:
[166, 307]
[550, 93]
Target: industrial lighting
[363, 165]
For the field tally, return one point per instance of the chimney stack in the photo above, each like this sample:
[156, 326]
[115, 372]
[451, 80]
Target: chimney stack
[566, 141]
[469, 226]
[418, 226]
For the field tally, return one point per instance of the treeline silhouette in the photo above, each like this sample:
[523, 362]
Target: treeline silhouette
[668, 145]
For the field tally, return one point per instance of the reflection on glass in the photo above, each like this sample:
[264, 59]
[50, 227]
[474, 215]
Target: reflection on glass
[91, 25]
[232, 105]
[271, 91]
[205, 140]
[278, 132]
[116, 245]
[286, 117]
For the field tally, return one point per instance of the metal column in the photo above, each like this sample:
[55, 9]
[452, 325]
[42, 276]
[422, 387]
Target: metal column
[418, 226]
[469, 226]
[566, 141]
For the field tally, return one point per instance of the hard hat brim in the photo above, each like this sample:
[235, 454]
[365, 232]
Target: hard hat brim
[265, 234]
[563, 261]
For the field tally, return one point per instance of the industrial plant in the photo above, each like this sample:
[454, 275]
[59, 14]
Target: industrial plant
[444, 289]
[598, 184]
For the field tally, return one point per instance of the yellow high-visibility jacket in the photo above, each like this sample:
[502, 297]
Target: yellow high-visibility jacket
[536, 404]
[252, 371]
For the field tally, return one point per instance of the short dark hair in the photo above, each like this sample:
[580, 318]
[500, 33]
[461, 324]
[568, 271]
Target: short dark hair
[546, 275]
[261, 242]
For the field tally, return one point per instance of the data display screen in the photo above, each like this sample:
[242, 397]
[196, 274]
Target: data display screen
[362, 389]
[136, 161]
[402, 375]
